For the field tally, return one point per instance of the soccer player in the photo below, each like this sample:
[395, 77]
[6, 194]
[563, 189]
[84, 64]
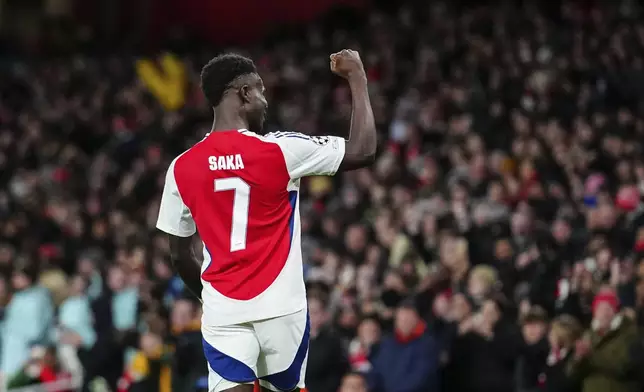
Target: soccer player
[238, 188]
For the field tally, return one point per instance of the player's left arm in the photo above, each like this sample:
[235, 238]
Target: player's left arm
[176, 220]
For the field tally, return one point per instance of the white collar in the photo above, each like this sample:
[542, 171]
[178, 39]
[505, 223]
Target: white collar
[614, 324]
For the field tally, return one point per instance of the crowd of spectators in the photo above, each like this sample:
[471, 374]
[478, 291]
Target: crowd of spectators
[497, 244]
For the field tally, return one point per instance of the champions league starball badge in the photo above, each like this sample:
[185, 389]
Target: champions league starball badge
[321, 140]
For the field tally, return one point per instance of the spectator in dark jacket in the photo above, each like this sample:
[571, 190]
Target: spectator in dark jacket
[408, 360]
[327, 361]
[534, 351]
[486, 350]
[188, 364]
[564, 331]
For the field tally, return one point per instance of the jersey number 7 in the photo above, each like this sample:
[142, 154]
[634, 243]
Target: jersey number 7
[240, 209]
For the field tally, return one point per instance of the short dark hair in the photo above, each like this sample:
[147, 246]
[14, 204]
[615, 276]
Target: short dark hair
[222, 70]
[536, 314]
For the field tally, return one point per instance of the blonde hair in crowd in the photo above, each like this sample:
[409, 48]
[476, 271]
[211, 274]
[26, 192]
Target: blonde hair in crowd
[566, 330]
[486, 274]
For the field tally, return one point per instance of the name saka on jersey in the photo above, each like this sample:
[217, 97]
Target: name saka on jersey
[240, 190]
[226, 162]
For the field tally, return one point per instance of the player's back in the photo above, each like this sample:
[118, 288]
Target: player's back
[244, 203]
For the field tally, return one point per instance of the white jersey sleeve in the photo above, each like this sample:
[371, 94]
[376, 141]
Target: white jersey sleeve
[309, 155]
[174, 216]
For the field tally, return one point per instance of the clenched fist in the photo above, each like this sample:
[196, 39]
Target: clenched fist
[347, 63]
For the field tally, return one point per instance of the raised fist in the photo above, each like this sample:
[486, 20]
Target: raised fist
[346, 63]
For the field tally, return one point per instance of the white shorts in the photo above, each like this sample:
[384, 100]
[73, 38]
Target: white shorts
[273, 351]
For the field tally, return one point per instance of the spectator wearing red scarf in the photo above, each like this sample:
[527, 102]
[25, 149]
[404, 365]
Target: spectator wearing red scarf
[361, 348]
[408, 360]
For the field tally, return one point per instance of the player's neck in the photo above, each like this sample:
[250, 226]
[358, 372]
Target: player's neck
[226, 120]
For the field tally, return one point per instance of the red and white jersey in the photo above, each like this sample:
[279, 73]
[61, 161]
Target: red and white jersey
[239, 190]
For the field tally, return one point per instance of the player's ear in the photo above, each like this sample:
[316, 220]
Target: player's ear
[244, 93]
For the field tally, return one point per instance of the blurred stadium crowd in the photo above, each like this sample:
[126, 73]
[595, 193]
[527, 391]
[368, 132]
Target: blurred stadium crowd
[496, 245]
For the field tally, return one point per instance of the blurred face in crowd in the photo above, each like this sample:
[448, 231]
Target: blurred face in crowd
[99, 229]
[603, 315]
[475, 144]
[503, 250]
[353, 383]
[350, 197]
[429, 172]
[639, 172]
[348, 321]
[563, 333]
[453, 252]
[369, 332]
[497, 161]
[561, 231]
[116, 279]
[86, 267]
[520, 223]
[151, 344]
[459, 193]
[495, 192]
[356, 238]
[613, 145]
[480, 215]
[406, 320]
[534, 331]
[400, 196]
[456, 157]
[603, 259]
[135, 278]
[606, 216]
[78, 286]
[623, 171]
[429, 226]
[586, 282]
[6, 254]
[408, 272]
[182, 314]
[526, 170]
[477, 286]
[478, 167]
[162, 270]
[441, 305]
[20, 281]
[330, 227]
[317, 314]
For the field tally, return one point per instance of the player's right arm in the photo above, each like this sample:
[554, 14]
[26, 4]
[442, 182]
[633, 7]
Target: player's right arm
[325, 155]
[176, 220]
[360, 149]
